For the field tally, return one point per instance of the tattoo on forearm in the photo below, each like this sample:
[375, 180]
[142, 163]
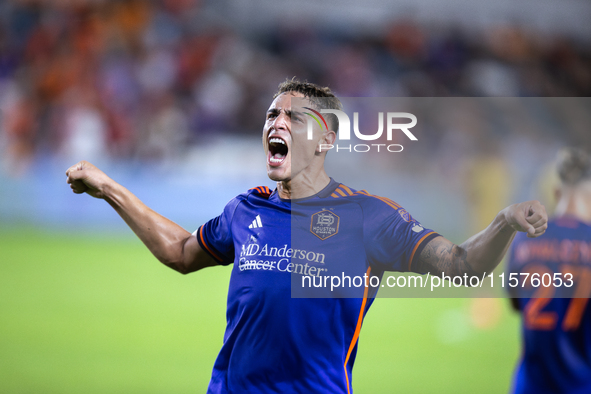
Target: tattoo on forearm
[441, 256]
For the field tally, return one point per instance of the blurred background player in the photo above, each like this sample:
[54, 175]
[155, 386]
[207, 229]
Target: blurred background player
[557, 331]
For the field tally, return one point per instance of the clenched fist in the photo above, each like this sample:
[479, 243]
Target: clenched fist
[529, 217]
[83, 177]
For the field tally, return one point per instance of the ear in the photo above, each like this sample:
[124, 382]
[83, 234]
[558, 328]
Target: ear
[328, 138]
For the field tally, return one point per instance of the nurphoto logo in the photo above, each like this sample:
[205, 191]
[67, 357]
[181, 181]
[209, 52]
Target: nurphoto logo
[344, 132]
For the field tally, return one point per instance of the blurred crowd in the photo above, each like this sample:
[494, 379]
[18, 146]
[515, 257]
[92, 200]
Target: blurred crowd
[147, 80]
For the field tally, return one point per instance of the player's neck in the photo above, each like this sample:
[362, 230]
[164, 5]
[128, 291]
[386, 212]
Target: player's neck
[575, 203]
[302, 186]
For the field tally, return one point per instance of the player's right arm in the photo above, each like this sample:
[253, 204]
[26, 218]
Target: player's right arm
[169, 243]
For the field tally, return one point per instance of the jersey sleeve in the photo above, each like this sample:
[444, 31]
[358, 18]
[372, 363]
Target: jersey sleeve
[215, 236]
[393, 238]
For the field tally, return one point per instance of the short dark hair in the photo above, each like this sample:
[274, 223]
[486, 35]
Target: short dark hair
[573, 165]
[320, 97]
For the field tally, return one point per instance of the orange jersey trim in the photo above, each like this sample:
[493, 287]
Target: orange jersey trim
[382, 199]
[263, 190]
[357, 330]
[343, 191]
[206, 246]
[412, 255]
[346, 189]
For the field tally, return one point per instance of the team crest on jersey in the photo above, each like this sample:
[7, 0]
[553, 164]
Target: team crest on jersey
[324, 224]
[404, 215]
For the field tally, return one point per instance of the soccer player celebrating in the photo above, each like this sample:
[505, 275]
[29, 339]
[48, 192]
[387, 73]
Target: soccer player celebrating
[310, 226]
[557, 331]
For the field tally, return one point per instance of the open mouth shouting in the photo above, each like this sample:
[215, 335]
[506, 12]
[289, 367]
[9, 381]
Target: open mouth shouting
[278, 150]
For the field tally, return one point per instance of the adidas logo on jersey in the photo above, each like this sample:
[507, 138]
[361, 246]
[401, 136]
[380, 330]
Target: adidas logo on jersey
[256, 223]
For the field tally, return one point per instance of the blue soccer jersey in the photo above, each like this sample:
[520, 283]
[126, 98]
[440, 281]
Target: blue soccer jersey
[556, 331]
[276, 342]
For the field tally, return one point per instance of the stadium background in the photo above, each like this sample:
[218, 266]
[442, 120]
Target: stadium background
[168, 98]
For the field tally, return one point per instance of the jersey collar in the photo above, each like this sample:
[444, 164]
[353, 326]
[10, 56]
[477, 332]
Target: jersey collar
[324, 193]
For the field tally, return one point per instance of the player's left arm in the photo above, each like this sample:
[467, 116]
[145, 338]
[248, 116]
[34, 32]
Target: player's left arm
[485, 250]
